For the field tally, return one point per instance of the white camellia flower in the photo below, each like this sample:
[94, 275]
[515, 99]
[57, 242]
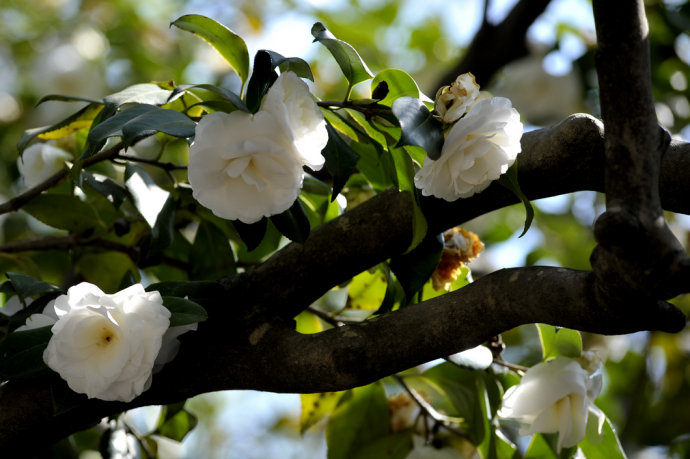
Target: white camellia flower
[555, 396]
[453, 101]
[244, 166]
[479, 147]
[40, 161]
[290, 101]
[104, 346]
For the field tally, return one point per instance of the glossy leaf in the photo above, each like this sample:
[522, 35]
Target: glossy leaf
[559, 342]
[27, 286]
[293, 223]
[111, 190]
[211, 256]
[184, 311]
[399, 83]
[21, 353]
[228, 96]
[376, 165]
[83, 119]
[510, 181]
[352, 66]
[608, 447]
[361, 417]
[145, 93]
[141, 121]
[315, 407]
[418, 126]
[290, 64]
[75, 215]
[251, 234]
[262, 78]
[414, 268]
[162, 233]
[175, 422]
[544, 447]
[341, 160]
[230, 45]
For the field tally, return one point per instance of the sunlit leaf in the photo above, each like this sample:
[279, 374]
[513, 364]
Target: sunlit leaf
[230, 45]
[315, 407]
[184, 311]
[607, 447]
[144, 93]
[352, 66]
[73, 123]
[361, 417]
[399, 83]
[175, 422]
[559, 341]
[367, 290]
[291, 64]
[418, 126]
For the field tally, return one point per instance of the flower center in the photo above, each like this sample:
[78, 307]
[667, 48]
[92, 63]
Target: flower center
[107, 336]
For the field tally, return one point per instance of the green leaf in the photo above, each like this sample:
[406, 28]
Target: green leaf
[141, 121]
[341, 160]
[105, 269]
[290, 64]
[376, 165]
[361, 417]
[111, 190]
[405, 172]
[251, 234]
[83, 119]
[418, 126]
[608, 447]
[227, 96]
[315, 407]
[197, 291]
[352, 66]
[211, 256]
[230, 45]
[21, 353]
[510, 181]
[559, 341]
[415, 267]
[175, 422]
[27, 286]
[293, 223]
[64, 98]
[400, 84]
[74, 215]
[393, 446]
[145, 93]
[162, 233]
[543, 446]
[184, 312]
[262, 78]
[367, 290]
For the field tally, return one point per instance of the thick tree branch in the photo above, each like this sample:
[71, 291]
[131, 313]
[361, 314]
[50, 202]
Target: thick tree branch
[494, 46]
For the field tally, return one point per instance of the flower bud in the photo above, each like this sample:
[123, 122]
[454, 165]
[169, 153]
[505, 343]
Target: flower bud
[453, 101]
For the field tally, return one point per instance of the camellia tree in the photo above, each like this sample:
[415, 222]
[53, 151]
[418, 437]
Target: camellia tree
[374, 283]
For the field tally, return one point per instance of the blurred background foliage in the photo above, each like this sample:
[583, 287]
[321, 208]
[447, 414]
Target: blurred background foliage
[96, 47]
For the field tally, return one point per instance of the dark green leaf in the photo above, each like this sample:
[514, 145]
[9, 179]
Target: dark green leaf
[27, 286]
[352, 66]
[145, 93]
[36, 307]
[418, 126]
[74, 214]
[162, 233]
[399, 84]
[21, 353]
[376, 164]
[394, 292]
[198, 291]
[228, 96]
[225, 41]
[393, 446]
[341, 160]
[105, 269]
[262, 78]
[114, 192]
[293, 223]
[290, 64]
[251, 234]
[361, 417]
[414, 268]
[510, 181]
[184, 312]
[63, 98]
[141, 121]
[83, 119]
[211, 256]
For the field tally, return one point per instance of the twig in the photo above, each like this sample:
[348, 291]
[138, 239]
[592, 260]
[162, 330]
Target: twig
[510, 366]
[163, 165]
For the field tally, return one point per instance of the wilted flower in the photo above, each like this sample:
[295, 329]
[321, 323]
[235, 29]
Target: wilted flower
[40, 161]
[453, 101]
[479, 147]
[244, 166]
[555, 397]
[104, 346]
[459, 247]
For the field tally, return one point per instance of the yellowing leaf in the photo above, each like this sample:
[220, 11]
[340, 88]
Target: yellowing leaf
[315, 407]
[367, 290]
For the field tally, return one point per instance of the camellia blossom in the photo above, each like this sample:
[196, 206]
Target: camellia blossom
[104, 346]
[247, 166]
[555, 397]
[479, 147]
[453, 101]
[459, 247]
[40, 161]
